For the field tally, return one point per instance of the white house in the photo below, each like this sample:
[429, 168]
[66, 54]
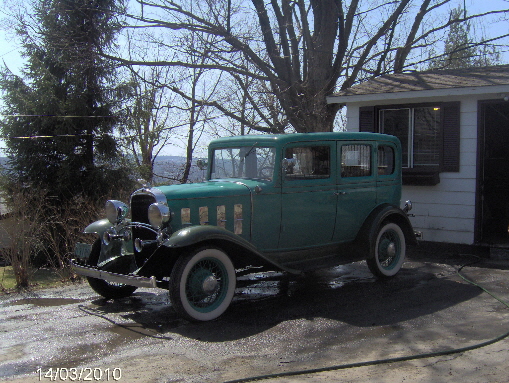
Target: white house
[454, 129]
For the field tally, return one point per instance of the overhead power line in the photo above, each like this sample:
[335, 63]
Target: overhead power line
[52, 115]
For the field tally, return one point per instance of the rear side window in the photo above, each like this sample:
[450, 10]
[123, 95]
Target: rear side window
[356, 161]
[386, 160]
[308, 162]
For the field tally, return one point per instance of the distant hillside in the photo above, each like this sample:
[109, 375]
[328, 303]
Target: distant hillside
[168, 169]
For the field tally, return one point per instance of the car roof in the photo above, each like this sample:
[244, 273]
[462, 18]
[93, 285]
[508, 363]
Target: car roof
[281, 139]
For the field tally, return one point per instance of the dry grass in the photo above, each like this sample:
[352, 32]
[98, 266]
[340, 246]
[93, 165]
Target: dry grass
[39, 279]
[39, 228]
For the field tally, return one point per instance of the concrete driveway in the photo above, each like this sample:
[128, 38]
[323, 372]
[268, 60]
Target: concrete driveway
[275, 325]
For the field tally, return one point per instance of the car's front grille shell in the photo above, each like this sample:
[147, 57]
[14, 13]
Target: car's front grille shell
[140, 203]
[139, 207]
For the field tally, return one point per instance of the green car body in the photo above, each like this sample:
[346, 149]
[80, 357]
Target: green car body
[293, 202]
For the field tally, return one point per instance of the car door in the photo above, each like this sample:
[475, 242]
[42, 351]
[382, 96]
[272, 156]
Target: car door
[388, 184]
[308, 198]
[356, 187]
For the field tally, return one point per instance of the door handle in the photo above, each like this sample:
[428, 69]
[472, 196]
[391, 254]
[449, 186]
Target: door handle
[340, 193]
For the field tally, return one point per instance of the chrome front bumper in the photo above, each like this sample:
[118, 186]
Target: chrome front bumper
[130, 280]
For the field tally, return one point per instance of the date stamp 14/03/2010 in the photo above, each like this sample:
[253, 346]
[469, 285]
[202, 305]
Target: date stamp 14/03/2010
[80, 374]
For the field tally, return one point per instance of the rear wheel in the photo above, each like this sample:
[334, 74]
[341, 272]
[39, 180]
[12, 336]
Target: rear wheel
[388, 251]
[106, 289]
[202, 284]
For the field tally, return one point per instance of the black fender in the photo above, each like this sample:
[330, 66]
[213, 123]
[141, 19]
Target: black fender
[378, 216]
[242, 252]
[103, 225]
[98, 227]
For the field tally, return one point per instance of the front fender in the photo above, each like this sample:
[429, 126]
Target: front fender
[101, 226]
[98, 227]
[194, 235]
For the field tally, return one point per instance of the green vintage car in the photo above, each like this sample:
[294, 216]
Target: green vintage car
[293, 202]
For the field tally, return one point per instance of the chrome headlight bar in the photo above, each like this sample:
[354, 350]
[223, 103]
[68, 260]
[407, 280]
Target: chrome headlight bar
[159, 216]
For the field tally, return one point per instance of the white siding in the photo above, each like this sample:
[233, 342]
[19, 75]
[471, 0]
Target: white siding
[444, 212]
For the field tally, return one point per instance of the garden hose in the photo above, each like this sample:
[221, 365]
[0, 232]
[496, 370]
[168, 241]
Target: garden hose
[389, 360]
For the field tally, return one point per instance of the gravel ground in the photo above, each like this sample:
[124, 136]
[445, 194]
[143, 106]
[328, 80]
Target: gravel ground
[275, 325]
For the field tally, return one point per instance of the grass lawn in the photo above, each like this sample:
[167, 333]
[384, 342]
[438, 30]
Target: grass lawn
[41, 278]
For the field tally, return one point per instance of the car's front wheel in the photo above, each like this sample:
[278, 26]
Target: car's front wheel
[388, 251]
[202, 284]
[106, 289]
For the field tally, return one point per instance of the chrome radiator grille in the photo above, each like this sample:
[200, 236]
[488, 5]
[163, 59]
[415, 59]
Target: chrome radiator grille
[139, 213]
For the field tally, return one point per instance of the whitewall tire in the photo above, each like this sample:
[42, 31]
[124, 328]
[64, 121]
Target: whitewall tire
[388, 251]
[202, 284]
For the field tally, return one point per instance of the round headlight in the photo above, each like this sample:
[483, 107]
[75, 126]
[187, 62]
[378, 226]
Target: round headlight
[158, 215]
[116, 211]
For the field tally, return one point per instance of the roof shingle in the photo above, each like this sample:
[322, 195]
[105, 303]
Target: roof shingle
[432, 80]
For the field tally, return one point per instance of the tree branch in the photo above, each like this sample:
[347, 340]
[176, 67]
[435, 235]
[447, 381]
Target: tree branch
[226, 112]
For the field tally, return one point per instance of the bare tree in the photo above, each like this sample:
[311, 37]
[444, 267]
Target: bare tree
[198, 57]
[147, 124]
[301, 50]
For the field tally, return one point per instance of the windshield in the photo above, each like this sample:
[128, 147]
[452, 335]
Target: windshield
[244, 162]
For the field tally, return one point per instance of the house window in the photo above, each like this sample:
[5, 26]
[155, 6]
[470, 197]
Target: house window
[429, 134]
[419, 132]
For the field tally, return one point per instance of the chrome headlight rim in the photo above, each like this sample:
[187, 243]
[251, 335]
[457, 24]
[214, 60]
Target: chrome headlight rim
[116, 211]
[159, 215]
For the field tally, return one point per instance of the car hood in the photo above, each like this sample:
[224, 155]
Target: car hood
[216, 188]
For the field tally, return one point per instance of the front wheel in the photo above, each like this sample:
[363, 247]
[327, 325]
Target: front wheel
[202, 284]
[388, 251]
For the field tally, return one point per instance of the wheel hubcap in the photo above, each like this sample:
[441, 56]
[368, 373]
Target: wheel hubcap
[389, 250]
[206, 285]
[210, 285]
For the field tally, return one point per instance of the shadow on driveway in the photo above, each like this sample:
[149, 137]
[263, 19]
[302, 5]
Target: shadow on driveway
[347, 294]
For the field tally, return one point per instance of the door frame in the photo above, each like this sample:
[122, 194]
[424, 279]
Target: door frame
[300, 189]
[479, 194]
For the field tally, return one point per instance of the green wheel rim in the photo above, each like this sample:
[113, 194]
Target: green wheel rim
[207, 272]
[389, 249]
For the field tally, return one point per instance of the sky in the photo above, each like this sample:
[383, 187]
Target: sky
[9, 47]
[10, 54]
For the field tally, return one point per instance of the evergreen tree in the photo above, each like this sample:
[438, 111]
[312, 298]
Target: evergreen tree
[461, 50]
[65, 100]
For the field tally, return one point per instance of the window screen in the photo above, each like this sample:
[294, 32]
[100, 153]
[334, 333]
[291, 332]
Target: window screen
[426, 136]
[419, 132]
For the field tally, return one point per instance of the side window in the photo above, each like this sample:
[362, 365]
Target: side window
[308, 162]
[356, 161]
[386, 160]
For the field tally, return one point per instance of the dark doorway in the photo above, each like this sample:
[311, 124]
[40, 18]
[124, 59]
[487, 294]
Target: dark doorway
[493, 204]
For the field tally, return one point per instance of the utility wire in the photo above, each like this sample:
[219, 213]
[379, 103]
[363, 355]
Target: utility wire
[52, 115]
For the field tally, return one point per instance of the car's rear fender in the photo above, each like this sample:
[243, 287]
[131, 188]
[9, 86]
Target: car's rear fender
[382, 214]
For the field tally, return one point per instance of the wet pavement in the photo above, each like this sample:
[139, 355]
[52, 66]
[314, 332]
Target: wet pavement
[275, 324]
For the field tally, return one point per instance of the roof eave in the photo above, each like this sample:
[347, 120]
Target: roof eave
[419, 94]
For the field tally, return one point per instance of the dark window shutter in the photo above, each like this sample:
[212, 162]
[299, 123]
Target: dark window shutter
[451, 137]
[367, 119]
